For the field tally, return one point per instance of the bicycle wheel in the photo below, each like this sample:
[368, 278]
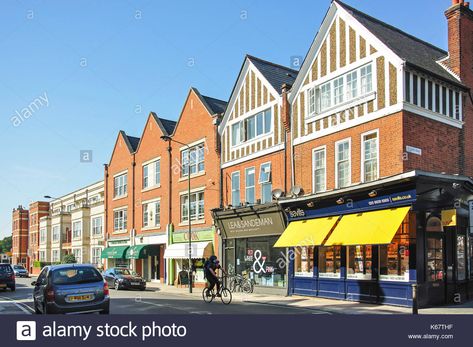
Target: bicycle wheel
[226, 296]
[207, 298]
[247, 287]
[233, 285]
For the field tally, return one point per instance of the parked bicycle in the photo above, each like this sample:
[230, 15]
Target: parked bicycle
[239, 283]
[224, 293]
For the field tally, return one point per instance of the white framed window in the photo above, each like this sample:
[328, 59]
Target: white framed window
[236, 199]
[55, 256]
[197, 212]
[56, 233]
[355, 84]
[76, 230]
[250, 185]
[370, 156]
[42, 235]
[265, 182]
[96, 254]
[343, 163]
[152, 174]
[120, 185]
[77, 252]
[120, 220]
[193, 160]
[152, 214]
[252, 127]
[97, 226]
[42, 255]
[319, 162]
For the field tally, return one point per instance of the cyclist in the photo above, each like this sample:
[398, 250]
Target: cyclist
[210, 271]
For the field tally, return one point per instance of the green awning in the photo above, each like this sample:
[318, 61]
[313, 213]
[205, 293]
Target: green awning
[116, 252]
[141, 251]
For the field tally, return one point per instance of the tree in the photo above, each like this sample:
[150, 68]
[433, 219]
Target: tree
[69, 259]
[5, 244]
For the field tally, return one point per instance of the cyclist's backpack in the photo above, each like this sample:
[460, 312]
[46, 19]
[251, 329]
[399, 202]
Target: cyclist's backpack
[206, 268]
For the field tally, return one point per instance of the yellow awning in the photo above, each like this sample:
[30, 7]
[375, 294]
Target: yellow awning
[310, 232]
[369, 228]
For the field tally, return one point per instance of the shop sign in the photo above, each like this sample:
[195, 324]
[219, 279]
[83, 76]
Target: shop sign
[414, 150]
[449, 218]
[206, 235]
[350, 206]
[254, 224]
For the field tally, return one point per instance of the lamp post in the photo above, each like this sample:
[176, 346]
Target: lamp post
[169, 139]
[53, 198]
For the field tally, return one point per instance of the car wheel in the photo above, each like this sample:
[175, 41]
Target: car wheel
[116, 285]
[36, 309]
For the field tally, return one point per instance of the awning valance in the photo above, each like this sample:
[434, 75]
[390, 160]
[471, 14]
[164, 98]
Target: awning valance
[115, 252]
[141, 251]
[181, 250]
[311, 232]
[368, 228]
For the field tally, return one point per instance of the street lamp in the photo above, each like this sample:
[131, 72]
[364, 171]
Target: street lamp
[169, 139]
[53, 198]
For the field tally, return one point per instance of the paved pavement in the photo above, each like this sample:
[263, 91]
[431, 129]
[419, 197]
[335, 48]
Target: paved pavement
[161, 299]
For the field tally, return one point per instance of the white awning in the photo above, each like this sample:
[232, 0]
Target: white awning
[181, 250]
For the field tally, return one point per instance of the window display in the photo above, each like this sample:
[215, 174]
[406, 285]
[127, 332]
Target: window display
[304, 261]
[359, 262]
[461, 259]
[329, 261]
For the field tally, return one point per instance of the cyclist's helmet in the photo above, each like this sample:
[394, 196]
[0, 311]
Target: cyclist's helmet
[213, 258]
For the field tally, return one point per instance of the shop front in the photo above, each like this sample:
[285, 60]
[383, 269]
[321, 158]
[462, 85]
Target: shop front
[378, 242]
[147, 255]
[115, 255]
[202, 246]
[248, 236]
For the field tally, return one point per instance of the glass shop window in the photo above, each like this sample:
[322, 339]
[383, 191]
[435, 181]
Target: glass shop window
[360, 261]
[461, 257]
[329, 261]
[304, 261]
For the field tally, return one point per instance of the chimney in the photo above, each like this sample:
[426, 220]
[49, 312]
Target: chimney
[460, 40]
[286, 107]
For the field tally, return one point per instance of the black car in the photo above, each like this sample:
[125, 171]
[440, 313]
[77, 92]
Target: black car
[7, 277]
[120, 278]
[70, 288]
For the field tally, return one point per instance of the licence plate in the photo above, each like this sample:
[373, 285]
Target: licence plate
[135, 283]
[80, 298]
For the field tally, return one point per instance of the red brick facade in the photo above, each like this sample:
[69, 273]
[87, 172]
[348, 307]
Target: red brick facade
[37, 210]
[20, 236]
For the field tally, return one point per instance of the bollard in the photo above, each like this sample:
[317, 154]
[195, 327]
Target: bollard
[415, 309]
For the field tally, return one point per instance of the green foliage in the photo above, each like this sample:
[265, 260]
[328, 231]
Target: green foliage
[5, 244]
[69, 259]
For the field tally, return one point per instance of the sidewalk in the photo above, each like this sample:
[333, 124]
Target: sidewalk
[319, 304]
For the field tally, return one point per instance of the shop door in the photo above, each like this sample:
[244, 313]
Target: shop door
[435, 270]
[155, 273]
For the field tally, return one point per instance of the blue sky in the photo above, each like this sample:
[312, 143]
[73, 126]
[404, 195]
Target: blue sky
[101, 66]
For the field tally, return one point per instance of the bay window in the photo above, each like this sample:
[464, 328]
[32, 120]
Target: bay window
[265, 182]
[252, 127]
[77, 230]
[250, 185]
[56, 233]
[42, 235]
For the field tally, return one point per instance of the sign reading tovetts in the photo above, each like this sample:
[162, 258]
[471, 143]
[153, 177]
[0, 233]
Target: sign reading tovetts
[251, 224]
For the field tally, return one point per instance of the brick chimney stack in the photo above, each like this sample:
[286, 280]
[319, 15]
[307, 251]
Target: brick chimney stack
[460, 48]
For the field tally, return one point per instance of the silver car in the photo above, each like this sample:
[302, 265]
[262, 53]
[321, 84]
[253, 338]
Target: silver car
[69, 289]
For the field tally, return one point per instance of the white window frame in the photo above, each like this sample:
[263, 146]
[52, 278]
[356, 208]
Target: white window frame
[337, 162]
[74, 223]
[363, 135]
[55, 256]
[120, 220]
[55, 228]
[199, 210]
[94, 226]
[79, 252]
[149, 210]
[120, 185]
[233, 188]
[96, 258]
[197, 160]
[153, 176]
[318, 149]
[241, 128]
[247, 187]
[43, 236]
[269, 181]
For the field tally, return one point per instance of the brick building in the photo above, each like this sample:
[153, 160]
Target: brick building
[37, 210]
[20, 236]
[195, 152]
[255, 162]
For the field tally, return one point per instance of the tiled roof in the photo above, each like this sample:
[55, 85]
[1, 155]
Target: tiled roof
[275, 74]
[134, 141]
[414, 51]
[168, 125]
[215, 105]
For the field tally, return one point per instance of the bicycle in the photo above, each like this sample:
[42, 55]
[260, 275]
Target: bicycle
[225, 294]
[244, 284]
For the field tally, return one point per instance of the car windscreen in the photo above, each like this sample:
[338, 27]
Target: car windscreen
[76, 275]
[122, 272]
[5, 269]
[18, 267]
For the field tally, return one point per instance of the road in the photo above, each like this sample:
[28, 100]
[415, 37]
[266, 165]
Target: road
[150, 301]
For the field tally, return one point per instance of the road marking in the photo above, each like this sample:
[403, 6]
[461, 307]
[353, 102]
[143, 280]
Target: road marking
[200, 312]
[22, 306]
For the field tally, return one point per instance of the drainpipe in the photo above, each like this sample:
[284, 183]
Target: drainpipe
[105, 209]
[167, 263]
[132, 231]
